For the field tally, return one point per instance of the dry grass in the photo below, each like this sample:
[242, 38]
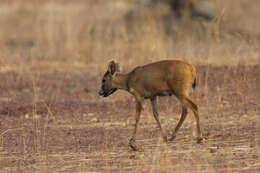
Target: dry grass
[53, 53]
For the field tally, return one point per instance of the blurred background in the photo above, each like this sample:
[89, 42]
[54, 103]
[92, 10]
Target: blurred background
[92, 32]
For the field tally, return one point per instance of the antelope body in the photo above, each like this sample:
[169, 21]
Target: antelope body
[163, 78]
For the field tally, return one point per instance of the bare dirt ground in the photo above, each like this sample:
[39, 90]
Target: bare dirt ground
[54, 121]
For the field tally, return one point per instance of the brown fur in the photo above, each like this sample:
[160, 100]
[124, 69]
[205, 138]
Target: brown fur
[163, 78]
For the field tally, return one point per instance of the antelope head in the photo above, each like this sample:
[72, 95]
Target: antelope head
[107, 87]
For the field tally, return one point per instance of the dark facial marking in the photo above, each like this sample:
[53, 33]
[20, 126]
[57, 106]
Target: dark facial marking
[106, 88]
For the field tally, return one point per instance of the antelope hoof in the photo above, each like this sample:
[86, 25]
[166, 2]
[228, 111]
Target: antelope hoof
[201, 140]
[172, 138]
[133, 145]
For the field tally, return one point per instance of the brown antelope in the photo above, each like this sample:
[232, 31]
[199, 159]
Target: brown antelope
[163, 78]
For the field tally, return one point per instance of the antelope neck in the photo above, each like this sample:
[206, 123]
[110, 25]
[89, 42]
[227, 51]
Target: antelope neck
[120, 81]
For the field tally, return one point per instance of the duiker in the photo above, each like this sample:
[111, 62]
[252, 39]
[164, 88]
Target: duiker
[163, 78]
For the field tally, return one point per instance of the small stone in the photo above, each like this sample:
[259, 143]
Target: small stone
[213, 149]
[4, 99]
[91, 114]
[26, 116]
[36, 116]
[88, 114]
[93, 120]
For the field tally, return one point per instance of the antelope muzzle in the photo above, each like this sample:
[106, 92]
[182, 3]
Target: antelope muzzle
[106, 93]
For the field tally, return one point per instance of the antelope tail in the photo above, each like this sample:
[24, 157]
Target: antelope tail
[194, 84]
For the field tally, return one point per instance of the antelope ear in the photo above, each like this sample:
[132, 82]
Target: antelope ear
[111, 67]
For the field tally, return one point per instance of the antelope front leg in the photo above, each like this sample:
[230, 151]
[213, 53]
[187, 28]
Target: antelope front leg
[137, 118]
[156, 116]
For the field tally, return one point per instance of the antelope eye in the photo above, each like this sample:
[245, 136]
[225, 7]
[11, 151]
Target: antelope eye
[103, 80]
